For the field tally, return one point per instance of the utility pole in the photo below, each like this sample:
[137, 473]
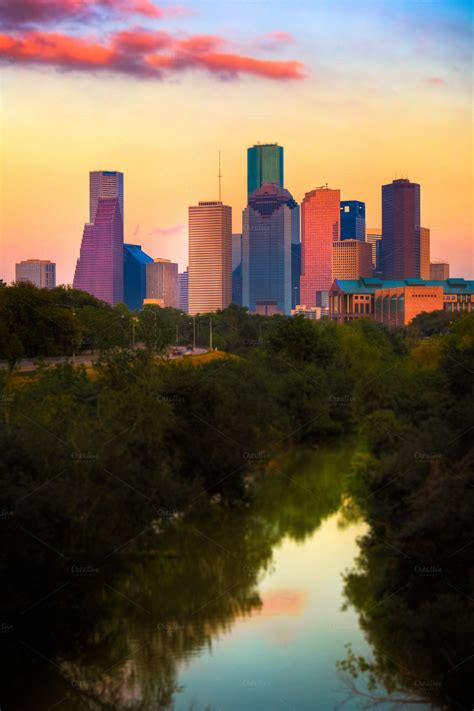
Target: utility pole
[210, 333]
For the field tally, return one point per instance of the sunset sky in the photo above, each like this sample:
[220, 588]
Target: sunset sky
[357, 93]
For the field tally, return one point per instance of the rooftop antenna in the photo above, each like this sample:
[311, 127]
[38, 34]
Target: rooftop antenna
[220, 178]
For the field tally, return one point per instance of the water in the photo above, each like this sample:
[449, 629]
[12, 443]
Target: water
[235, 610]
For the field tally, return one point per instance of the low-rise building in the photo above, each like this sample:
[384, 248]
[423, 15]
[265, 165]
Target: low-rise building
[439, 270]
[40, 272]
[311, 312]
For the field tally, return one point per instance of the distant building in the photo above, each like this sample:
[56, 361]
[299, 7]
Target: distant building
[270, 226]
[264, 165]
[310, 312]
[320, 214]
[424, 253]
[295, 272]
[162, 282]
[351, 259]
[353, 220]
[183, 291]
[439, 270]
[210, 257]
[401, 230]
[373, 236]
[100, 267]
[104, 183]
[396, 302]
[237, 269]
[40, 272]
[134, 275]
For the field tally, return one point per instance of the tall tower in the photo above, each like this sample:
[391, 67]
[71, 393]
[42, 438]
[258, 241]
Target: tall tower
[162, 281]
[270, 225]
[320, 211]
[353, 220]
[210, 257]
[264, 165]
[400, 250]
[104, 183]
[424, 252]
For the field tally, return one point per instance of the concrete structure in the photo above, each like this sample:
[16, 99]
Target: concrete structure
[134, 275]
[162, 282]
[373, 235]
[320, 213]
[351, 259]
[352, 220]
[154, 302]
[104, 183]
[40, 272]
[311, 312]
[100, 267]
[400, 251]
[398, 301]
[237, 269]
[439, 270]
[183, 291]
[270, 227]
[210, 257]
[425, 253]
[264, 165]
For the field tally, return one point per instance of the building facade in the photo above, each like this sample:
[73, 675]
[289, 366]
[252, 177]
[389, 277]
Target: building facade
[183, 291]
[210, 257]
[401, 230]
[351, 259]
[270, 227]
[237, 269]
[264, 165]
[100, 267]
[439, 270]
[134, 275]
[40, 272]
[352, 220]
[373, 236]
[104, 183]
[162, 282]
[425, 253]
[320, 214]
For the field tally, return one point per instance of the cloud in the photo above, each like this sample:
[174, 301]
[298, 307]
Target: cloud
[274, 40]
[141, 53]
[167, 231]
[435, 81]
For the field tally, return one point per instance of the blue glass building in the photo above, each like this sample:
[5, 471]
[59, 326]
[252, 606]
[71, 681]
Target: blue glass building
[134, 275]
[264, 165]
[237, 269]
[270, 229]
[353, 220]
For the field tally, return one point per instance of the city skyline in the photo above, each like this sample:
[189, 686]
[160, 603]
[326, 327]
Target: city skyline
[343, 119]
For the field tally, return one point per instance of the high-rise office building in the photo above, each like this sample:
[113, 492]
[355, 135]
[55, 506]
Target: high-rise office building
[104, 183]
[40, 272]
[134, 275]
[424, 253]
[270, 226]
[400, 251]
[351, 259]
[320, 213]
[352, 220]
[373, 236]
[210, 257]
[183, 291]
[162, 281]
[264, 165]
[237, 269]
[439, 271]
[100, 267]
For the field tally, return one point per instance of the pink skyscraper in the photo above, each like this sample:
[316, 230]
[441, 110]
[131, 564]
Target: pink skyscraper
[320, 215]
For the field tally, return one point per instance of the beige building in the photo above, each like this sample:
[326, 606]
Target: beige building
[424, 253]
[40, 272]
[373, 235]
[351, 259]
[162, 282]
[439, 271]
[210, 257]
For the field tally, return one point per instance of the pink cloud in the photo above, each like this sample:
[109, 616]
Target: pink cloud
[435, 81]
[167, 231]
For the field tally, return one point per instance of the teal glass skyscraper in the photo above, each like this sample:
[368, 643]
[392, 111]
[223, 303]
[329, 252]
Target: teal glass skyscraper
[264, 165]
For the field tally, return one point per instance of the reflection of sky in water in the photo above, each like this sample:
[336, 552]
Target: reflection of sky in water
[284, 655]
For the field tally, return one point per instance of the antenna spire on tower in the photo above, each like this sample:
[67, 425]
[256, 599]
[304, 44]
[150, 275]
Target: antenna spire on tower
[220, 178]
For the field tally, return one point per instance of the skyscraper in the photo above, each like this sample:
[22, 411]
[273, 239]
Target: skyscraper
[40, 272]
[104, 183]
[270, 224]
[439, 271]
[100, 267]
[264, 165]
[320, 213]
[353, 220]
[374, 237]
[210, 257]
[237, 269]
[162, 281]
[134, 275]
[351, 259]
[400, 251]
[183, 291]
[424, 252]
